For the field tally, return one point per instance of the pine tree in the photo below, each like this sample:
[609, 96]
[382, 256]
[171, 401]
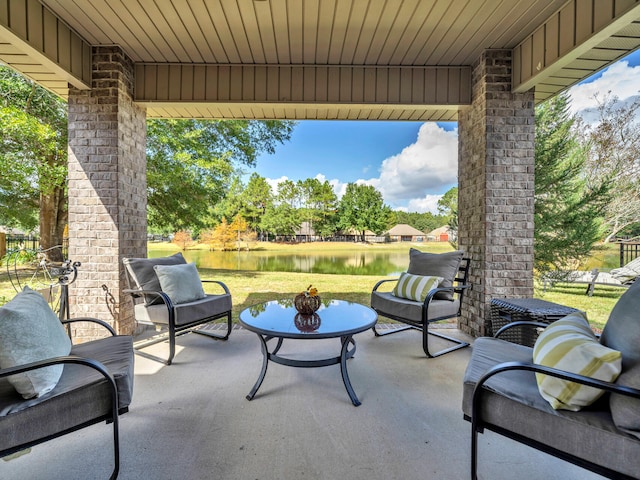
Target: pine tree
[568, 205]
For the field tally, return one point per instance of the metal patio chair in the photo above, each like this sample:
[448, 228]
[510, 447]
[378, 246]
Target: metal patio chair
[154, 305]
[441, 303]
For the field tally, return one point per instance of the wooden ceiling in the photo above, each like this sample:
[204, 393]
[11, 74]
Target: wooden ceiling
[320, 34]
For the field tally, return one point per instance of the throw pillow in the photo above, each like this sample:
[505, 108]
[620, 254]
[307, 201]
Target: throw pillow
[181, 282]
[443, 265]
[143, 274]
[415, 287]
[30, 332]
[569, 344]
[622, 332]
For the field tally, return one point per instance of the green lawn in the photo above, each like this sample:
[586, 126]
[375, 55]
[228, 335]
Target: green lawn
[250, 287]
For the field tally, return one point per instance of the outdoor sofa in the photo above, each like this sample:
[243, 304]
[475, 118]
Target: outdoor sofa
[501, 394]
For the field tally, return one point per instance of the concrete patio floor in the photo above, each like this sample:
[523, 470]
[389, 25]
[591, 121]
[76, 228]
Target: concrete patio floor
[191, 420]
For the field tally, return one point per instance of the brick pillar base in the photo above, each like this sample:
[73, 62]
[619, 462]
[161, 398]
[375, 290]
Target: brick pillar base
[107, 189]
[496, 189]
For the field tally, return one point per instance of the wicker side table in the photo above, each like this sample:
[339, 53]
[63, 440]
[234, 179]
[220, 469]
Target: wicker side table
[504, 311]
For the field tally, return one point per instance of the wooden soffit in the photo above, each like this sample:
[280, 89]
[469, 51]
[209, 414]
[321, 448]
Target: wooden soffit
[342, 59]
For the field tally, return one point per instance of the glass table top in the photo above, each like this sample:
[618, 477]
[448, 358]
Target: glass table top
[334, 318]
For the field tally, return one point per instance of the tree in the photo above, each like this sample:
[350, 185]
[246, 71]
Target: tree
[362, 208]
[239, 228]
[613, 152]
[223, 236]
[568, 204]
[182, 239]
[282, 218]
[191, 164]
[33, 158]
[255, 199]
[320, 204]
[448, 207]
[448, 203]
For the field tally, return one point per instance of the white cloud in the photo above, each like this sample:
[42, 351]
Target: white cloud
[424, 166]
[273, 182]
[620, 79]
[408, 179]
[338, 187]
[429, 203]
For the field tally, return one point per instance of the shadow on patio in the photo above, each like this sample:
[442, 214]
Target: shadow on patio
[191, 420]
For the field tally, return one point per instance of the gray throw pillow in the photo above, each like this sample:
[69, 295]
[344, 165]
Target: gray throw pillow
[181, 282]
[29, 332]
[144, 276]
[443, 265]
[622, 333]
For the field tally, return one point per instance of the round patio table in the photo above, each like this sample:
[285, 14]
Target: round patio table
[278, 319]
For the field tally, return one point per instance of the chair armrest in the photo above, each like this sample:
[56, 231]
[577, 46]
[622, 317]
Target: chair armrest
[72, 359]
[375, 287]
[553, 372]
[226, 290]
[136, 293]
[91, 320]
[522, 323]
[452, 289]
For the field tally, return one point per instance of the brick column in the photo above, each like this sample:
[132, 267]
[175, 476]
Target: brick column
[107, 189]
[496, 189]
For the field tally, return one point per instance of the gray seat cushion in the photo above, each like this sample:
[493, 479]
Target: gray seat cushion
[80, 396]
[411, 310]
[185, 313]
[515, 404]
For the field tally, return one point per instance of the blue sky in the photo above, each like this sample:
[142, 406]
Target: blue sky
[412, 163]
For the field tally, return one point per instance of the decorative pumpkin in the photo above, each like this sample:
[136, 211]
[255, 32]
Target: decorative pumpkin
[307, 302]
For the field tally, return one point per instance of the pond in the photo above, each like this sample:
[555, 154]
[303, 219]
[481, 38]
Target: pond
[339, 263]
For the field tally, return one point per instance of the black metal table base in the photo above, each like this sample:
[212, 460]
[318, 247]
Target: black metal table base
[345, 354]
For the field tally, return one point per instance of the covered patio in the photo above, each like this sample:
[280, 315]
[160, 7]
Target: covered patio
[191, 420]
[482, 64]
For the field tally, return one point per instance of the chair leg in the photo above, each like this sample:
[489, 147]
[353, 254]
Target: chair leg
[389, 332]
[218, 337]
[425, 342]
[116, 449]
[474, 452]
[172, 345]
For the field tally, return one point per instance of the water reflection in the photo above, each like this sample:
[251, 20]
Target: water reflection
[348, 263]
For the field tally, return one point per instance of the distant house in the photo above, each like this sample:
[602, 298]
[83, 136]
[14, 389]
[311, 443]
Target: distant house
[440, 234]
[405, 233]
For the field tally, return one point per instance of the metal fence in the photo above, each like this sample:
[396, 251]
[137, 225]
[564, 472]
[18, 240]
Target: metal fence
[30, 242]
[629, 251]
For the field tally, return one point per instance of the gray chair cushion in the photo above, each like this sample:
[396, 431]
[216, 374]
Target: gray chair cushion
[29, 332]
[515, 404]
[143, 274]
[622, 333]
[185, 313]
[412, 310]
[181, 282]
[443, 265]
[80, 396]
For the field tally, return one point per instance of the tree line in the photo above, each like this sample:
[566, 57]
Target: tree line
[587, 186]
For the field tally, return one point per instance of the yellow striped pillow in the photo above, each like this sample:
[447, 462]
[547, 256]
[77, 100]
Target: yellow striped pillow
[415, 287]
[569, 344]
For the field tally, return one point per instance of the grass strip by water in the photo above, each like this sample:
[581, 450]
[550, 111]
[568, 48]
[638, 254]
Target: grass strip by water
[251, 287]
